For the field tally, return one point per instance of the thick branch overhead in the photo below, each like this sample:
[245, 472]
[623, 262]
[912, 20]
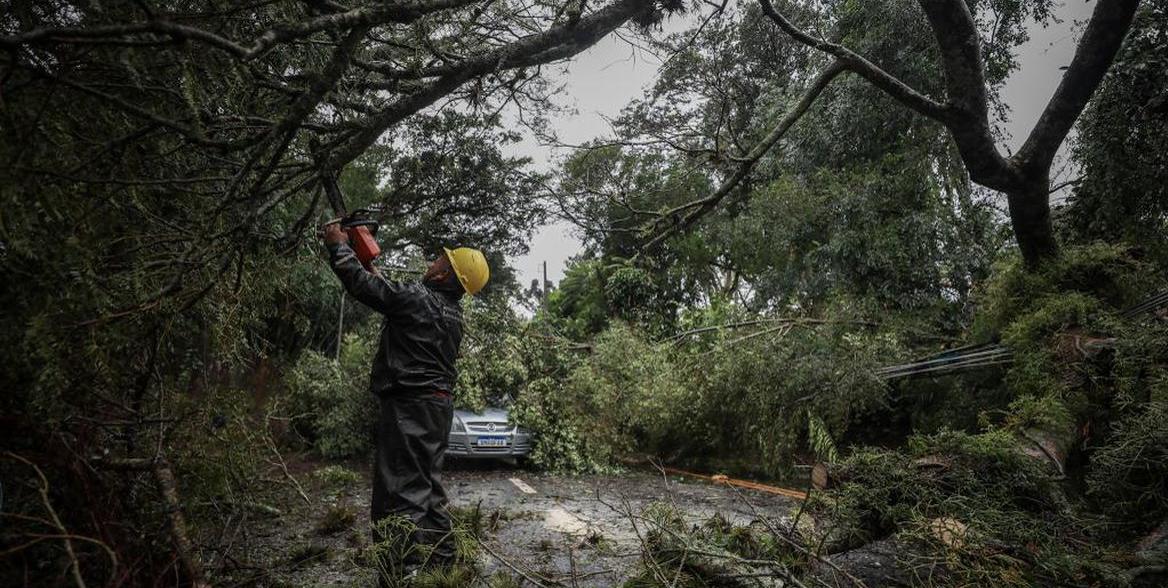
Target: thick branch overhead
[1024, 178]
[693, 211]
[1097, 49]
[260, 95]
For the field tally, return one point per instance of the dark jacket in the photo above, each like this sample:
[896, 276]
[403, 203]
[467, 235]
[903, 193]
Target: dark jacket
[420, 335]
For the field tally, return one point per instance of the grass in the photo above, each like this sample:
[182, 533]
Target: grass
[471, 524]
[309, 553]
[337, 475]
[458, 576]
[336, 519]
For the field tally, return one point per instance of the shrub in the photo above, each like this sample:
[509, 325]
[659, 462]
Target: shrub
[221, 463]
[1083, 292]
[759, 394]
[738, 393]
[563, 441]
[491, 368]
[639, 397]
[1129, 475]
[329, 399]
[1070, 288]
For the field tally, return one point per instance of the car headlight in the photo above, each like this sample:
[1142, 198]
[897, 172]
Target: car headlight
[458, 427]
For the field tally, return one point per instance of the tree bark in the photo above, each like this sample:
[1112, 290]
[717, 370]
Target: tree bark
[1029, 206]
[164, 478]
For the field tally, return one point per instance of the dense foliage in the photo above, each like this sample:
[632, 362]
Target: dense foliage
[1121, 194]
[328, 398]
[1045, 473]
[159, 202]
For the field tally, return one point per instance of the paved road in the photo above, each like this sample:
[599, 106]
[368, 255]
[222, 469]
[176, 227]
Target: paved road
[552, 520]
[546, 524]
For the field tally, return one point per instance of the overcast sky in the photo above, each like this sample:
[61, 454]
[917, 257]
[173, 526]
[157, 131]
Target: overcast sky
[602, 80]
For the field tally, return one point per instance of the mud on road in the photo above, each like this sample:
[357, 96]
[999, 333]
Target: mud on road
[551, 526]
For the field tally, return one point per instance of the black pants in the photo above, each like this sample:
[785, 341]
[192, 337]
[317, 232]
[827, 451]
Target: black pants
[411, 443]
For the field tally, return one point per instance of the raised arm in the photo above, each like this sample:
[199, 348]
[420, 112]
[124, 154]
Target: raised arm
[369, 288]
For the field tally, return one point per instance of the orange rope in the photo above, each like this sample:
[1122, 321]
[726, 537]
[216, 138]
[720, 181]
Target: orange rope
[721, 479]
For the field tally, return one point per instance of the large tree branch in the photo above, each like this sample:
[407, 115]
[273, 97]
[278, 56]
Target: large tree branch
[395, 12]
[966, 93]
[960, 47]
[186, 131]
[1096, 51]
[966, 110]
[282, 133]
[389, 12]
[556, 43]
[564, 51]
[856, 63]
[700, 208]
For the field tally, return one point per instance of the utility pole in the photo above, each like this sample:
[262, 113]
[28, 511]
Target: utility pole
[544, 287]
[340, 323]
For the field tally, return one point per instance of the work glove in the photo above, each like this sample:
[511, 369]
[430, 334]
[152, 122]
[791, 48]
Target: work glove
[332, 233]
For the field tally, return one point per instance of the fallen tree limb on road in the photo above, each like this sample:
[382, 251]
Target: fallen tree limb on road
[722, 479]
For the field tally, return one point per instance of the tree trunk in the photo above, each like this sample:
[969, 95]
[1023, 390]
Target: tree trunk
[167, 486]
[1030, 218]
[886, 562]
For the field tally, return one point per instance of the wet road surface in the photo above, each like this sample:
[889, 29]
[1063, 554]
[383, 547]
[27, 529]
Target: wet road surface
[548, 526]
[549, 521]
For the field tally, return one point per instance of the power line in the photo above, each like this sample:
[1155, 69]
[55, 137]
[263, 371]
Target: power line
[984, 355]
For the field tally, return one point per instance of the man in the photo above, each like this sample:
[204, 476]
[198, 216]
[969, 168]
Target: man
[413, 378]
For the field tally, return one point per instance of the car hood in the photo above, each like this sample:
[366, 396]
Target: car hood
[498, 415]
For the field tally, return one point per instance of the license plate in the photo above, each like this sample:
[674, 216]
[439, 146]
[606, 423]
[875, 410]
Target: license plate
[492, 442]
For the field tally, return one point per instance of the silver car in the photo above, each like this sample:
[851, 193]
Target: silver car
[487, 434]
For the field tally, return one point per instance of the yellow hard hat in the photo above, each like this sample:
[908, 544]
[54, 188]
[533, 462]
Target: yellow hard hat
[470, 265]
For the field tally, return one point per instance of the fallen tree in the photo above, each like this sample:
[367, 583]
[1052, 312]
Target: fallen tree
[1010, 501]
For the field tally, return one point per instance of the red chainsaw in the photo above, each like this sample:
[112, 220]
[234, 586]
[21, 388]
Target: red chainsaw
[358, 224]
